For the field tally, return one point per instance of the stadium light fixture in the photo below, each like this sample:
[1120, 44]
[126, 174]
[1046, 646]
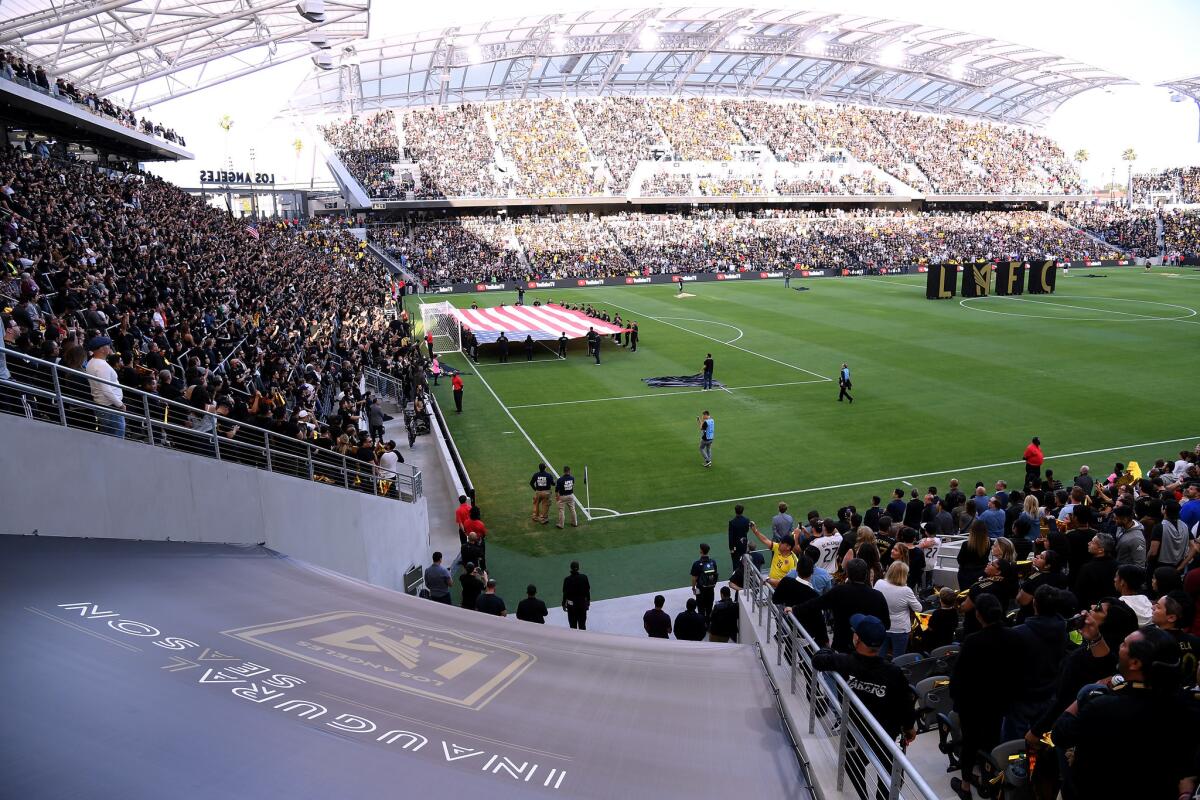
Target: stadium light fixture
[558, 42]
[648, 38]
[474, 53]
[737, 39]
[816, 45]
[958, 69]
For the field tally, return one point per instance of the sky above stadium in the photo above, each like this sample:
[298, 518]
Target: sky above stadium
[1149, 41]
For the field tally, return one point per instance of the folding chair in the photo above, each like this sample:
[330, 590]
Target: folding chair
[1005, 771]
[933, 698]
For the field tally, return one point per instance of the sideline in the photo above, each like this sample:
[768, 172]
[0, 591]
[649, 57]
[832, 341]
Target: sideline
[718, 341]
[895, 478]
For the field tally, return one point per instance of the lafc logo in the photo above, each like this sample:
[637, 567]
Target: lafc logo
[401, 654]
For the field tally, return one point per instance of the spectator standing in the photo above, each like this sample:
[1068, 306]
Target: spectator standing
[1095, 579]
[912, 511]
[902, 604]
[973, 555]
[896, 507]
[471, 582]
[1084, 480]
[739, 531]
[531, 609]
[707, 378]
[438, 580]
[656, 621]
[1129, 582]
[707, 432]
[981, 686]
[489, 602]
[783, 559]
[1145, 700]
[954, 497]
[1189, 512]
[847, 599]
[704, 581]
[690, 625]
[1044, 644]
[564, 496]
[105, 392]
[1169, 540]
[943, 623]
[1033, 458]
[541, 482]
[783, 526]
[1130, 537]
[461, 515]
[723, 622]
[577, 597]
[456, 384]
[993, 518]
[880, 686]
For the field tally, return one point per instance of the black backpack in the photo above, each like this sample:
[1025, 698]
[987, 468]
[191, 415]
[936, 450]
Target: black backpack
[708, 574]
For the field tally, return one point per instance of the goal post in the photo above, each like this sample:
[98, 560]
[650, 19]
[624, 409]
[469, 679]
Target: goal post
[439, 319]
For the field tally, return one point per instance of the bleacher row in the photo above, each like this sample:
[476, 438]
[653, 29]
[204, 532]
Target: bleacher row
[592, 147]
[1178, 184]
[543, 247]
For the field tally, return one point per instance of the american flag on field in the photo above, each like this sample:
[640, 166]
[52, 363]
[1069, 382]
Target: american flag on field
[545, 322]
[252, 231]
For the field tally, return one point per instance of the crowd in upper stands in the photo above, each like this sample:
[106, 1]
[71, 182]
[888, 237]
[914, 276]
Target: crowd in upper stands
[553, 148]
[1180, 184]
[267, 326]
[367, 146]
[15, 68]
[480, 248]
[1133, 230]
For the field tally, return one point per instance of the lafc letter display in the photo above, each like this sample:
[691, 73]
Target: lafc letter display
[1010, 278]
[941, 281]
[976, 280]
[1042, 277]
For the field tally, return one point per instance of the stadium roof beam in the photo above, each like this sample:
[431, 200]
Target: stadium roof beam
[166, 48]
[1185, 87]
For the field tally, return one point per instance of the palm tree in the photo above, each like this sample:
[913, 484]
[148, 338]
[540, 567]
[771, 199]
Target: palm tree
[1129, 156]
[226, 122]
[1081, 155]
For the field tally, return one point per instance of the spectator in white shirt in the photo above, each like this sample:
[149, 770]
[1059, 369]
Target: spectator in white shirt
[105, 390]
[902, 604]
[389, 459]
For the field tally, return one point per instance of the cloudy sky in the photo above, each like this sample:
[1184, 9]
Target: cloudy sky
[1148, 41]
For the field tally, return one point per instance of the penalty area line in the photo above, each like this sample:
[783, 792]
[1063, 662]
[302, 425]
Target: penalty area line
[895, 478]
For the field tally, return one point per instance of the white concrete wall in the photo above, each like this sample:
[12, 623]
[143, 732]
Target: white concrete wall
[64, 482]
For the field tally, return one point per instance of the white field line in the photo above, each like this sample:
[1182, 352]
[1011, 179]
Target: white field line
[731, 390]
[895, 478]
[1106, 310]
[541, 456]
[710, 322]
[718, 341]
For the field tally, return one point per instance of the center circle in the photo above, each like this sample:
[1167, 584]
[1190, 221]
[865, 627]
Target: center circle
[1110, 316]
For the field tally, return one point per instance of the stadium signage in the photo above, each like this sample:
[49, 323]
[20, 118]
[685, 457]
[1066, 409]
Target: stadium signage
[704, 277]
[228, 176]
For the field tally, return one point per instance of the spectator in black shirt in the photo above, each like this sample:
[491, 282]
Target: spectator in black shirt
[847, 599]
[1095, 579]
[1046, 571]
[1173, 613]
[471, 582]
[1044, 645]
[794, 594]
[739, 531]
[912, 511]
[577, 597]
[880, 686]
[895, 508]
[704, 580]
[723, 622]
[973, 555]
[656, 621]
[531, 609]
[981, 685]
[954, 497]
[943, 623]
[491, 603]
[689, 623]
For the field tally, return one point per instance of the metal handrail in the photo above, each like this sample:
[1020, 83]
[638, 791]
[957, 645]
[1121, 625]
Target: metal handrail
[154, 420]
[831, 702]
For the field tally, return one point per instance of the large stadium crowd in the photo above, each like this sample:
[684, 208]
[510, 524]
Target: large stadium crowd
[1179, 184]
[717, 241]
[1133, 230]
[552, 148]
[247, 328]
[368, 147]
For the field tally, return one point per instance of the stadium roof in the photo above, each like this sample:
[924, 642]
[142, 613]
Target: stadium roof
[713, 52]
[149, 51]
[1188, 87]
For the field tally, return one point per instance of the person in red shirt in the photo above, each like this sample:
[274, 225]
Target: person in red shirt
[461, 515]
[474, 525]
[429, 343]
[457, 384]
[1033, 461]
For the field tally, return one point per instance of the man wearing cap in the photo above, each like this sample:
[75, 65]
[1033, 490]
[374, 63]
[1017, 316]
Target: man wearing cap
[880, 686]
[106, 394]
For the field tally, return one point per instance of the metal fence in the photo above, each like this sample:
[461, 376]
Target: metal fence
[48, 392]
[872, 761]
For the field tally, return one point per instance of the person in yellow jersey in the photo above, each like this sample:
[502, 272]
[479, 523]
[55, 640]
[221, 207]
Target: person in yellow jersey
[783, 558]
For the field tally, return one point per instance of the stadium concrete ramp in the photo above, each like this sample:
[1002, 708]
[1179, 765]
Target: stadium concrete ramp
[138, 668]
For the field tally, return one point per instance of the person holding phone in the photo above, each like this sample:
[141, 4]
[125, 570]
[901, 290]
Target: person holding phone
[707, 430]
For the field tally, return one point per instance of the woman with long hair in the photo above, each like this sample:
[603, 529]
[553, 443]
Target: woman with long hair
[973, 554]
[1003, 548]
[902, 604]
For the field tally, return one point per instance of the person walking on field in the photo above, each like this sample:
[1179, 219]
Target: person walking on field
[708, 372]
[456, 383]
[564, 492]
[541, 483]
[707, 430]
[844, 386]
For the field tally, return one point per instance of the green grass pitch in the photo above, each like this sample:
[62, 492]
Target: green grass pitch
[1101, 371]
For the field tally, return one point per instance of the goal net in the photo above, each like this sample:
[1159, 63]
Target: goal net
[439, 319]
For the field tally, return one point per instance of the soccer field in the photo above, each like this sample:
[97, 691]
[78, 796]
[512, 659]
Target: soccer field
[1101, 371]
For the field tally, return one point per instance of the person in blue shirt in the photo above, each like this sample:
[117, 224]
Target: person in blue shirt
[844, 384]
[994, 518]
[707, 429]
